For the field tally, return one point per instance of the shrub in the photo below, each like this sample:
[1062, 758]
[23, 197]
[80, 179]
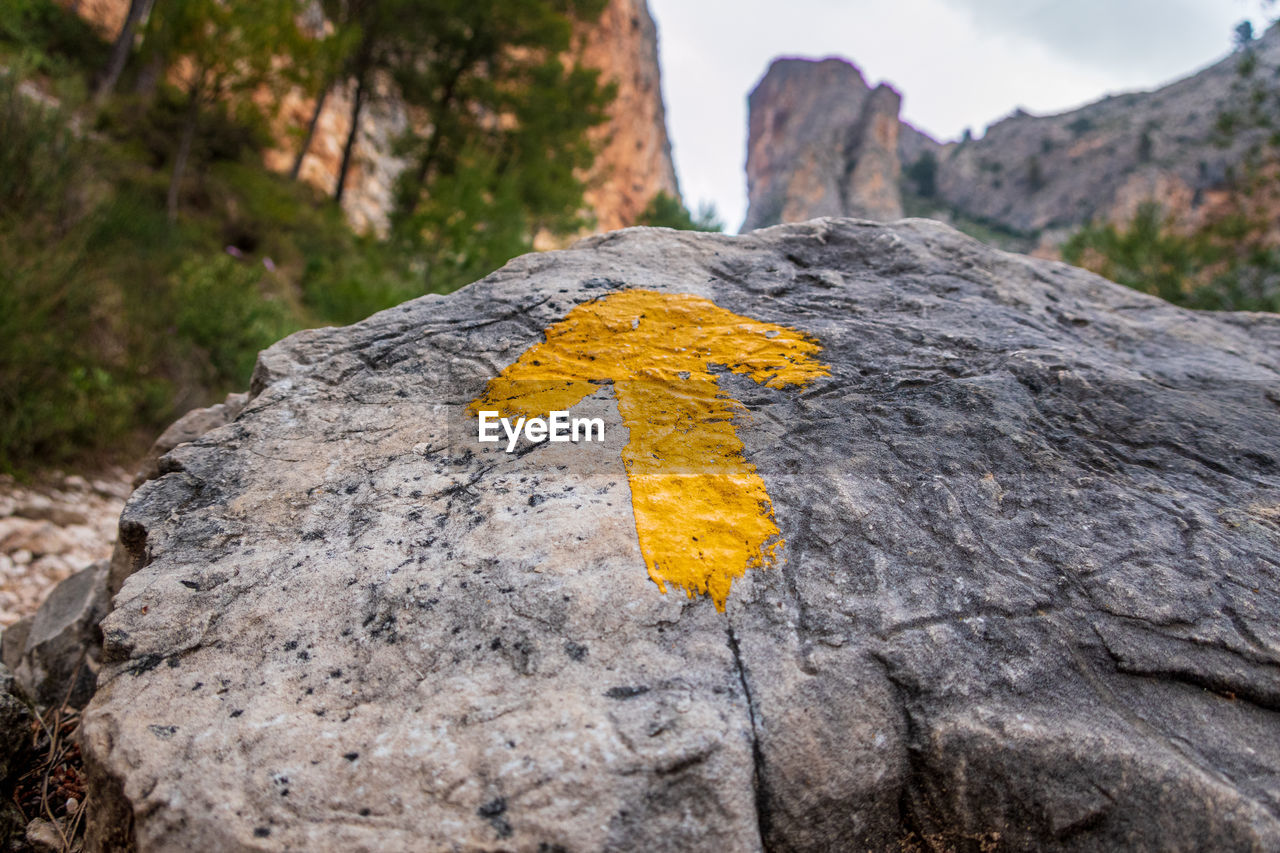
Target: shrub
[1226, 264]
[923, 174]
[41, 159]
[226, 311]
[666, 211]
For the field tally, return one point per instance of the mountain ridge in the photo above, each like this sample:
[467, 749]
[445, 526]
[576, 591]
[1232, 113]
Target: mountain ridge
[1032, 179]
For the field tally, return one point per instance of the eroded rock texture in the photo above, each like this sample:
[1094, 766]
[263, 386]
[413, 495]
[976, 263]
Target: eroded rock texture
[1029, 596]
[634, 163]
[821, 143]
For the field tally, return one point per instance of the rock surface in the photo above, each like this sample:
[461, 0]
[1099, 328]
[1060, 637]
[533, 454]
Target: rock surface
[189, 427]
[821, 142]
[15, 730]
[634, 163]
[61, 645]
[1029, 595]
[15, 758]
[1032, 174]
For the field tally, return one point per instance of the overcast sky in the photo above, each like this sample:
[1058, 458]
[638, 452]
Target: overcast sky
[957, 63]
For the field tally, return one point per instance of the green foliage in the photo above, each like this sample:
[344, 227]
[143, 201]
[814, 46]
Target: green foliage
[666, 211]
[508, 120]
[224, 53]
[1224, 265]
[47, 39]
[113, 320]
[472, 223]
[923, 175]
[226, 313]
[40, 160]
[1146, 255]
[345, 287]
[220, 49]
[55, 391]
[115, 317]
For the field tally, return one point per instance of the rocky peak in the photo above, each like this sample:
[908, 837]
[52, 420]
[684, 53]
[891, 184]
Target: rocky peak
[635, 162]
[822, 142]
[1029, 180]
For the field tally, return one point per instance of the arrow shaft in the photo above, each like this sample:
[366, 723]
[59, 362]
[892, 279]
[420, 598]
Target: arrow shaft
[703, 515]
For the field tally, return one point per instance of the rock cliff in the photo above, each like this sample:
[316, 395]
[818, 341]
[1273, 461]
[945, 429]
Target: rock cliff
[1006, 577]
[1032, 179]
[634, 164]
[1040, 175]
[635, 161]
[821, 143]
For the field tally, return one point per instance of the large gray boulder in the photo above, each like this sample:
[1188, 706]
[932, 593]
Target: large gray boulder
[1028, 598]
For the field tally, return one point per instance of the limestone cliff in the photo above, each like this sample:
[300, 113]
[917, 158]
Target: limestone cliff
[634, 163]
[1029, 180]
[1041, 176]
[822, 143]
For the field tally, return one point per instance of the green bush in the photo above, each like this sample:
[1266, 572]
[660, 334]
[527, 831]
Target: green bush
[41, 159]
[49, 38]
[1222, 265]
[666, 211]
[225, 311]
[923, 175]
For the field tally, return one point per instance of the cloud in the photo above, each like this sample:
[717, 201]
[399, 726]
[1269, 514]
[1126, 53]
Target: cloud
[1144, 36]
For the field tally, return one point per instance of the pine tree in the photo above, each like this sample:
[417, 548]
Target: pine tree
[507, 110]
[223, 52]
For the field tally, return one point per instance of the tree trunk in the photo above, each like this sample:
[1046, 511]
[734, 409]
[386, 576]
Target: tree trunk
[184, 153]
[120, 51]
[349, 148]
[440, 110]
[149, 78]
[311, 132]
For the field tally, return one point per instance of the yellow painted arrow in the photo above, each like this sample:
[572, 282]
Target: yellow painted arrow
[702, 514]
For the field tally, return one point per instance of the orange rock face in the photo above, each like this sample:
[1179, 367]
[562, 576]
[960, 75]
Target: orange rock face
[107, 15]
[635, 163]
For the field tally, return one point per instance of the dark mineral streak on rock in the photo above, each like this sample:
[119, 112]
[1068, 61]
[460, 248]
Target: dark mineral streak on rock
[1030, 594]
